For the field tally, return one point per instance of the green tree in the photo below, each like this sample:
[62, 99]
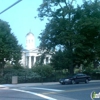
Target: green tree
[72, 30]
[59, 30]
[9, 48]
[60, 60]
[88, 26]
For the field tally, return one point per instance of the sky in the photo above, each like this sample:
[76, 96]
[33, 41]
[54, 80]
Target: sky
[21, 18]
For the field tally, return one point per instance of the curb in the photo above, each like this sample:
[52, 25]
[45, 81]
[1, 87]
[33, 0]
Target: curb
[95, 81]
[36, 84]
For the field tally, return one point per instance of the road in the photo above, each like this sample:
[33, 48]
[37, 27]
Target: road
[50, 92]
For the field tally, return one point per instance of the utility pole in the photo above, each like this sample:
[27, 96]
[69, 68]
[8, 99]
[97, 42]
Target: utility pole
[10, 6]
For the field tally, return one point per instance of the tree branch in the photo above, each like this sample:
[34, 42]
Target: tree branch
[62, 10]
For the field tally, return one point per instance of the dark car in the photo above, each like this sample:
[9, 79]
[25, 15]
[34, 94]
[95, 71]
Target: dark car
[77, 78]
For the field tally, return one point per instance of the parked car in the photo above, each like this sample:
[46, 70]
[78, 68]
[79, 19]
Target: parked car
[77, 78]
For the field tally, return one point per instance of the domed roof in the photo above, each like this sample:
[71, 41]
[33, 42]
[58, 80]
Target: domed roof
[29, 33]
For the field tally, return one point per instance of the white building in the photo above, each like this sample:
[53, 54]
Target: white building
[31, 54]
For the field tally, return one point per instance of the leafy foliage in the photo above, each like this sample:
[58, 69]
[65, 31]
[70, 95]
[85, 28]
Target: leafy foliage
[73, 31]
[24, 75]
[88, 25]
[9, 47]
[44, 71]
[60, 60]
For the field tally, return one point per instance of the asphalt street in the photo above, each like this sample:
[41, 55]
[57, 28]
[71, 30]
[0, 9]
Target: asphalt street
[56, 91]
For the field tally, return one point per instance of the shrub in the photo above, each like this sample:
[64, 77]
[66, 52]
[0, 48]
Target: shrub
[93, 72]
[24, 75]
[43, 70]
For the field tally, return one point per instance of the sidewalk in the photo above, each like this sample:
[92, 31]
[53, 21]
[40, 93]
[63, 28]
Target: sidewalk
[27, 84]
[35, 84]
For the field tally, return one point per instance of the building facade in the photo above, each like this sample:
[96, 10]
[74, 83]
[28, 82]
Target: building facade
[31, 55]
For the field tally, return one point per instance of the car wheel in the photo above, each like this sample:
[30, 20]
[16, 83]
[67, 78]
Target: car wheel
[86, 81]
[73, 81]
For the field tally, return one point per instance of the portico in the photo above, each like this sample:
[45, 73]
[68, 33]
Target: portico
[30, 59]
[31, 55]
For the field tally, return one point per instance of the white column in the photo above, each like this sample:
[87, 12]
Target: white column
[30, 62]
[48, 59]
[34, 59]
[26, 61]
[44, 60]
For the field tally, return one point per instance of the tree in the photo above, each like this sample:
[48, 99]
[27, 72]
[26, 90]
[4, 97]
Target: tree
[10, 50]
[88, 25]
[74, 30]
[60, 60]
[58, 31]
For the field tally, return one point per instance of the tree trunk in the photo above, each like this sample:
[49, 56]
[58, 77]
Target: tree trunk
[71, 70]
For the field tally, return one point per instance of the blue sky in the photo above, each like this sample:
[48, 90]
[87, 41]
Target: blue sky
[21, 18]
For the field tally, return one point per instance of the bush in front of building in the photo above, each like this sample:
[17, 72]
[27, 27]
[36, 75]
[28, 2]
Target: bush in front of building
[45, 71]
[24, 75]
[39, 73]
[48, 73]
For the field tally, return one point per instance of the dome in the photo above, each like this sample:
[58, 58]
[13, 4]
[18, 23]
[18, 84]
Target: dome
[30, 33]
